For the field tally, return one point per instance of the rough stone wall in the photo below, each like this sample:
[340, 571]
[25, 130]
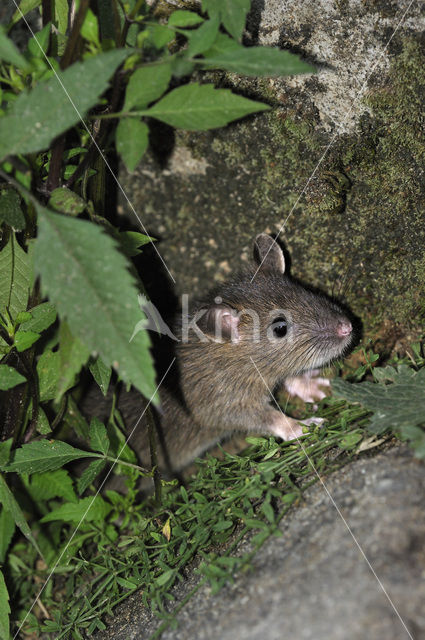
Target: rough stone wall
[338, 163]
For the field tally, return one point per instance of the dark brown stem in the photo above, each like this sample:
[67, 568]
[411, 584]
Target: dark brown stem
[47, 11]
[55, 169]
[74, 37]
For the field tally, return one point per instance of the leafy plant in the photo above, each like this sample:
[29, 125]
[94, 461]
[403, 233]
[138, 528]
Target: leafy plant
[83, 90]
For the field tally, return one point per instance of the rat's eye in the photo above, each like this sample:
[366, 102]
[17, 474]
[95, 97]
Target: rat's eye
[280, 327]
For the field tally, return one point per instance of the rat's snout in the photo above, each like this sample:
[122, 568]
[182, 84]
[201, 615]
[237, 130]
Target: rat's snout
[344, 328]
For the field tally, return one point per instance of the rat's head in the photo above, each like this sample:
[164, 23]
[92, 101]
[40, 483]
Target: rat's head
[264, 314]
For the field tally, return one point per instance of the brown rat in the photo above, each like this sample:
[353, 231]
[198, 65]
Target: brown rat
[254, 333]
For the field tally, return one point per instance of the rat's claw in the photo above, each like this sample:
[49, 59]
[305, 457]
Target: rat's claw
[309, 421]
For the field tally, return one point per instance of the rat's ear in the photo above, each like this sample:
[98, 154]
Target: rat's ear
[220, 322]
[268, 254]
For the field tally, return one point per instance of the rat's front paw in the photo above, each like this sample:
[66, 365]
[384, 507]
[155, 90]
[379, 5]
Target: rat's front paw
[306, 386]
[284, 427]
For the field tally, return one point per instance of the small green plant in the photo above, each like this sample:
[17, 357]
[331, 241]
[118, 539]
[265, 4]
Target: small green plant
[83, 92]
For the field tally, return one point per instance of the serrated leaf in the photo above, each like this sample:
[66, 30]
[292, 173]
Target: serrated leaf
[15, 277]
[42, 316]
[53, 484]
[25, 6]
[146, 85]
[130, 241]
[61, 15]
[42, 424]
[12, 507]
[98, 436]
[102, 374]
[7, 529]
[202, 38]
[39, 43]
[44, 455]
[39, 116]
[232, 14]
[4, 609]
[399, 403]
[182, 18]
[25, 339]
[253, 61]
[73, 355]
[89, 474]
[198, 107]
[10, 209]
[48, 368]
[8, 51]
[9, 377]
[132, 140]
[87, 279]
[88, 509]
[66, 201]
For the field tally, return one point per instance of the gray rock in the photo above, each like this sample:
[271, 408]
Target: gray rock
[337, 164]
[346, 573]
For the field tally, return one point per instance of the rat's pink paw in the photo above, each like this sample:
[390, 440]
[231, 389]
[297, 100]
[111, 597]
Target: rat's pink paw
[284, 427]
[309, 421]
[306, 386]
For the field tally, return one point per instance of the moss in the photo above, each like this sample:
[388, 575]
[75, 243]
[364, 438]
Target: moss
[353, 223]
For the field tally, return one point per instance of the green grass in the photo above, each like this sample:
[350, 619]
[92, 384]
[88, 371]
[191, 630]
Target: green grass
[145, 547]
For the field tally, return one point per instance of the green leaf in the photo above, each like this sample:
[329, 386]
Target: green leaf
[9, 377]
[9, 53]
[182, 18]
[67, 201]
[42, 316]
[102, 374]
[12, 507]
[146, 85]
[53, 484]
[25, 339]
[5, 448]
[73, 355]
[90, 28]
[23, 316]
[10, 210]
[76, 260]
[61, 15]
[7, 529]
[15, 278]
[42, 424]
[38, 45]
[89, 474]
[132, 139]
[39, 116]
[48, 368]
[130, 241]
[165, 577]
[232, 14]
[99, 440]
[88, 509]
[25, 6]
[399, 403]
[159, 36]
[4, 609]
[41, 456]
[253, 61]
[200, 107]
[202, 38]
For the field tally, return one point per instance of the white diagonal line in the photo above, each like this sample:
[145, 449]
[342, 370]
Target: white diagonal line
[335, 136]
[130, 204]
[91, 503]
[336, 506]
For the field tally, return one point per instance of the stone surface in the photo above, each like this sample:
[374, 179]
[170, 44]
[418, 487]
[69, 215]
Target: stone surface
[313, 582]
[337, 165]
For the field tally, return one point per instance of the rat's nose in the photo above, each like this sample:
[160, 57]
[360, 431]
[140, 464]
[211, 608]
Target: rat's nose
[344, 328]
